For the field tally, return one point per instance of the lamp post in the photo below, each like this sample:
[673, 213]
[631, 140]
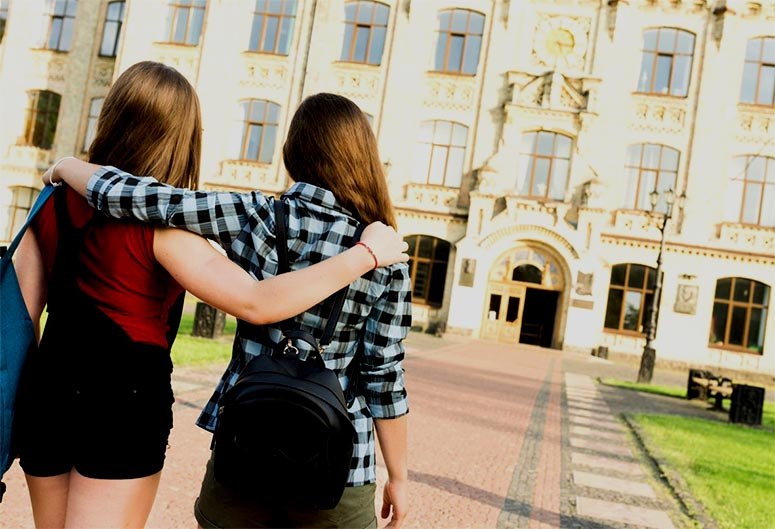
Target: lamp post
[646, 371]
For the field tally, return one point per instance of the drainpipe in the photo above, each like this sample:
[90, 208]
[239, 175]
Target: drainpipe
[387, 68]
[695, 107]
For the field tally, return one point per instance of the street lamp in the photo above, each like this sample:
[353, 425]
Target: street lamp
[646, 371]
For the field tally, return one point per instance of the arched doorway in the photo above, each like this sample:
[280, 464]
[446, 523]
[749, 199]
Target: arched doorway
[522, 297]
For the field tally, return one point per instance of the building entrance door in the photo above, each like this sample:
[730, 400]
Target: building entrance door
[503, 319]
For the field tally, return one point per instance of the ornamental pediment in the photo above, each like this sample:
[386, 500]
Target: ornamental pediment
[553, 90]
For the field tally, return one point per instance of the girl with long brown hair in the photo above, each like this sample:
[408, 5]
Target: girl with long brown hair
[95, 406]
[331, 154]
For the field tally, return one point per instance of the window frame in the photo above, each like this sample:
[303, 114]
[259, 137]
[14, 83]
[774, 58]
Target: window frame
[91, 122]
[760, 66]
[415, 259]
[764, 185]
[31, 125]
[449, 32]
[660, 174]
[656, 53]
[749, 306]
[448, 147]
[246, 125]
[63, 18]
[108, 23]
[533, 155]
[15, 207]
[648, 287]
[265, 14]
[174, 7]
[372, 28]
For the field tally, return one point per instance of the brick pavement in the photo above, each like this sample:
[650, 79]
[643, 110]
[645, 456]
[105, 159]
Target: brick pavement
[500, 437]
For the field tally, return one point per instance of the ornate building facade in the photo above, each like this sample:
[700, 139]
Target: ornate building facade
[524, 142]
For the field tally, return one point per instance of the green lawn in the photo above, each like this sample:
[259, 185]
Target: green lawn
[729, 468]
[189, 350]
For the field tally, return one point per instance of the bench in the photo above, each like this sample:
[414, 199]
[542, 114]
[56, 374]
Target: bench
[705, 385]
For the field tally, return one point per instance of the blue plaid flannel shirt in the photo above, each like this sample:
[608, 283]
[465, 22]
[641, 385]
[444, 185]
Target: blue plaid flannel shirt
[376, 315]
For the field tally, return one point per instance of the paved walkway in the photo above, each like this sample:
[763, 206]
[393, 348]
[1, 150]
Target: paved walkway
[500, 437]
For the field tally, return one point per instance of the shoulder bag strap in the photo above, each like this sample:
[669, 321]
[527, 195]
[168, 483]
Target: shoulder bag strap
[41, 200]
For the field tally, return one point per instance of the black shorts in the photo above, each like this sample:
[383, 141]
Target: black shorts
[108, 417]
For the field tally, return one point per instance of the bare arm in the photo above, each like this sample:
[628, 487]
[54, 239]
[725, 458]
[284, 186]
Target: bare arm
[210, 276]
[32, 277]
[391, 434]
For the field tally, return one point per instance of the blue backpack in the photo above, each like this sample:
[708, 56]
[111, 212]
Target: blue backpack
[17, 338]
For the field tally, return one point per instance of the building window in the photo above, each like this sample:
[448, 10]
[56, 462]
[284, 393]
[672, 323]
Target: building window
[112, 30]
[649, 167]
[739, 314]
[3, 17]
[428, 260]
[184, 21]
[259, 134]
[364, 32]
[630, 295]
[759, 72]
[459, 41]
[440, 153]
[21, 203]
[751, 192]
[91, 125]
[544, 165]
[667, 62]
[60, 32]
[273, 26]
[42, 116]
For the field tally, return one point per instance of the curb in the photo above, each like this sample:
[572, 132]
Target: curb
[690, 505]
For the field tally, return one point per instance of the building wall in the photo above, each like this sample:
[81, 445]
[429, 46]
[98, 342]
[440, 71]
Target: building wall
[521, 85]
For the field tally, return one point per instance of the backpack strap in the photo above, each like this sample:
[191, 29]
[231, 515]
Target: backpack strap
[284, 267]
[41, 200]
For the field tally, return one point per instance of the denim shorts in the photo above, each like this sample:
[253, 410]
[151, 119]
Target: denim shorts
[219, 507]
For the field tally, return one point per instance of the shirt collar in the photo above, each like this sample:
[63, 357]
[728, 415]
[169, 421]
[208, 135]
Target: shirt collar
[316, 195]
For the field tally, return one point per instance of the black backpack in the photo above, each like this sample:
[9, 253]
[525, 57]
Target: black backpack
[284, 435]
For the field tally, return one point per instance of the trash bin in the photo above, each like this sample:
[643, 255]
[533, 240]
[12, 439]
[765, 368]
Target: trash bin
[208, 321]
[747, 404]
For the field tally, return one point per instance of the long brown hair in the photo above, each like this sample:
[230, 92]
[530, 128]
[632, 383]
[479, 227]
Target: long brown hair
[330, 144]
[150, 124]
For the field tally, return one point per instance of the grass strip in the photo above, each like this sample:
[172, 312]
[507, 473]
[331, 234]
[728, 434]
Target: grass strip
[729, 468]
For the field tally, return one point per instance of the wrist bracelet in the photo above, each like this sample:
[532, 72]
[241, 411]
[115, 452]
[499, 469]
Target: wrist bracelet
[53, 169]
[371, 252]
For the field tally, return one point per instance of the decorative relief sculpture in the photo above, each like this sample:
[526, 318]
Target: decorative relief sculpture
[561, 42]
[686, 299]
[659, 116]
[450, 93]
[584, 283]
[433, 198]
[358, 84]
[258, 74]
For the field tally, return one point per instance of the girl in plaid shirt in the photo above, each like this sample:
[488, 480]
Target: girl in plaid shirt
[331, 153]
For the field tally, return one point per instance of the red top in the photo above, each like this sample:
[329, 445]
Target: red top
[117, 270]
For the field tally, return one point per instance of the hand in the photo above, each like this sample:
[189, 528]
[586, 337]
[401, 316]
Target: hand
[388, 246]
[395, 499]
[49, 177]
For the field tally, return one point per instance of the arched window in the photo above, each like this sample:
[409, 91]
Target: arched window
[649, 167]
[459, 41]
[739, 314]
[751, 193]
[441, 150]
[111, 32]
[184, 21]
[364, 31]
[666, 66]
[544, 165]
[60, 31]
[428, 260]
[42, 116]
[272, 30]
[21, 203]
[630, 295]
[758, 85]
[259, 133]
